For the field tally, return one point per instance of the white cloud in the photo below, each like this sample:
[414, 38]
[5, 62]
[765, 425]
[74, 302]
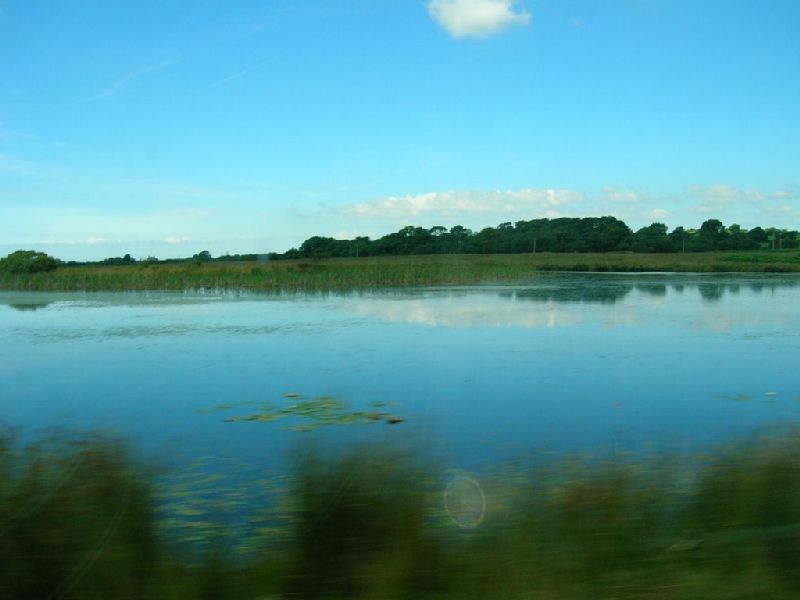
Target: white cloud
[349, 234]
[452, 204]
[174, 239]
[751, 206]
[785, 213]
[660, 213]
[477, 18]
[85, 225]
[617, 195]
[722, 194]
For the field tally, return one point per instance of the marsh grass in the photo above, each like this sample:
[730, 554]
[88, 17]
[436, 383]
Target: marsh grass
[385, 272]
[78, 521]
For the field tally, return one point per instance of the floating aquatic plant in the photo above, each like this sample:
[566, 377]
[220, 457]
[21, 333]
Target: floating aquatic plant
[313, 413]
[736, 397]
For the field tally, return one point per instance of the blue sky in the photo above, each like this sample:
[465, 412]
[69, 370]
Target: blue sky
[153, 129]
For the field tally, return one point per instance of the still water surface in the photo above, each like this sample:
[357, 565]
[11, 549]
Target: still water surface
[480, 375]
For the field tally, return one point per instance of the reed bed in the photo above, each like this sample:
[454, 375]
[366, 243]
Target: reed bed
[385, 272]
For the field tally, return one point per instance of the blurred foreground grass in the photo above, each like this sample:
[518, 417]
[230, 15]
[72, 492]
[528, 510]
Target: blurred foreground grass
[385, 272]
[78, 519]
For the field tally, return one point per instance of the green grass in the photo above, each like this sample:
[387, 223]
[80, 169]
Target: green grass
[78, 520]
[386, 272]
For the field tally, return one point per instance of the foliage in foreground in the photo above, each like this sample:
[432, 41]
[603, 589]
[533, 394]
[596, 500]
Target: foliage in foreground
[77, 521]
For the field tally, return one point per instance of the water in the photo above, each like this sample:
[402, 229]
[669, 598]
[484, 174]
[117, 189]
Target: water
[479, 375]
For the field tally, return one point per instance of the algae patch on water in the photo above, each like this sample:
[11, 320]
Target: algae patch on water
[309, 414]
[736, 397]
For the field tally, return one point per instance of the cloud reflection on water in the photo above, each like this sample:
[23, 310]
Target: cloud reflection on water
[480, 311]
[550, 301]
[570, 300]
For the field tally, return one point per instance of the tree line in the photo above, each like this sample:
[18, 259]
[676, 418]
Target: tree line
[589, 234]
[199, 258]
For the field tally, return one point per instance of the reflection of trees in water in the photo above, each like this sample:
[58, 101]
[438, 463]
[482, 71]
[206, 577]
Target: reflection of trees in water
[714, 291]
[653, 289]
[711, 291]
[602, 294]
[771, 286]
[608, 292]
[30, 306]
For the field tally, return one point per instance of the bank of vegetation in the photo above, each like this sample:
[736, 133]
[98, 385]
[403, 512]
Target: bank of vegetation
[414, 256]
[80, 519]
[384, 272]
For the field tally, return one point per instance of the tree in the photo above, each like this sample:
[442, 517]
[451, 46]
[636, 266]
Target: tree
[737, 239]
[712, 228]
[711, 236]
[204, 256]
[652, 238]
[360, 246]
[28, 261]
[790, 239]
[679, 236]
[609, 233]
[758, 235]
[459, 238]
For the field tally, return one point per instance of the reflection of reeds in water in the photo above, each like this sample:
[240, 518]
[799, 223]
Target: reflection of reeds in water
[77, 520]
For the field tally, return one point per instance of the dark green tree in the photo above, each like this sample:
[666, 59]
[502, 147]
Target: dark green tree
[737, 239]
[652, 238]
[678, 237]
[758, 235]
[711, 236]
[28, 261]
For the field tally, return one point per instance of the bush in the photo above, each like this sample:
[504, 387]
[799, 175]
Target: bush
[28, 261]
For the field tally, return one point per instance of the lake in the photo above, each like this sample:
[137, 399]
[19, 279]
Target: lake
[222, 391]
[478, 375]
